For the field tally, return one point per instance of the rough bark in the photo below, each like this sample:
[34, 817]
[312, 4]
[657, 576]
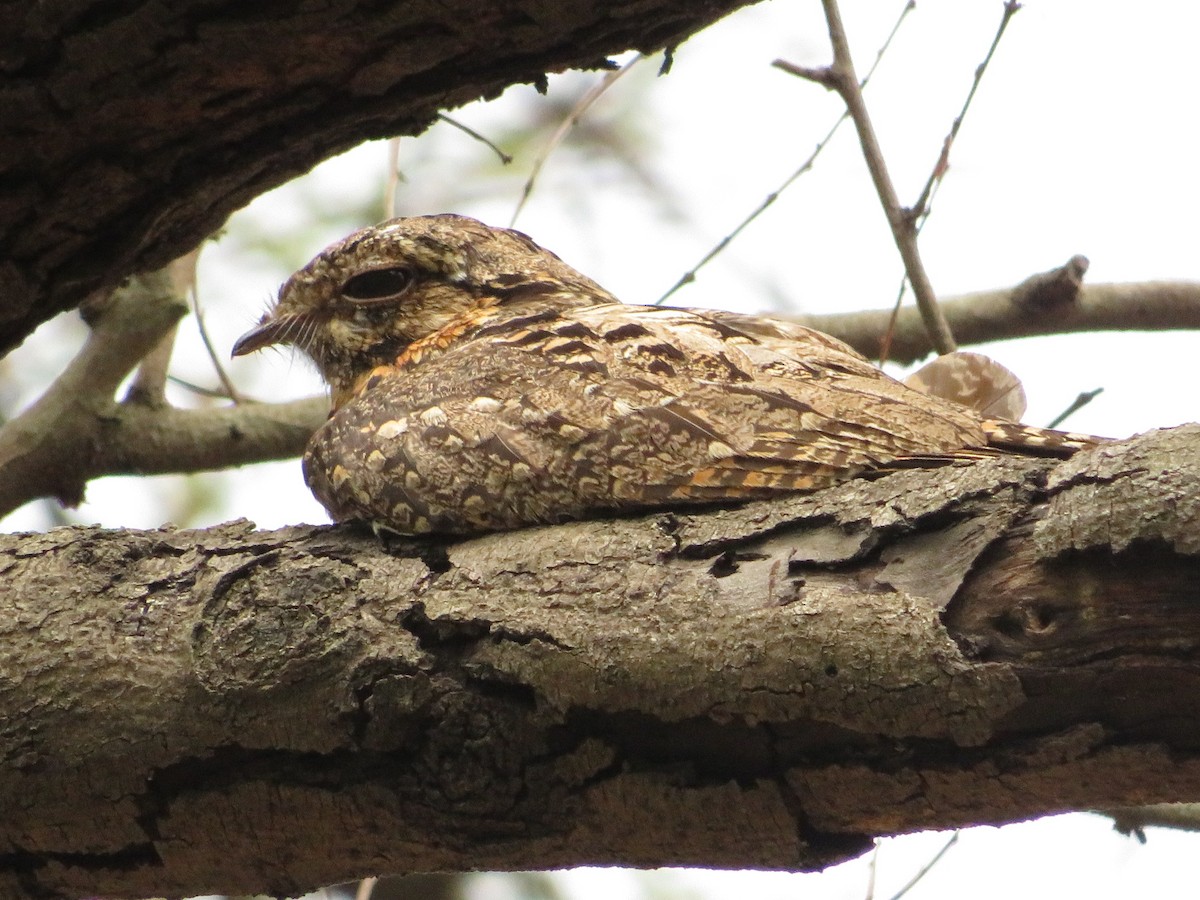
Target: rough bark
[131, 130]
[231, 711]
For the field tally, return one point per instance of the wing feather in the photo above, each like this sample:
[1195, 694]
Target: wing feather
[636, 406]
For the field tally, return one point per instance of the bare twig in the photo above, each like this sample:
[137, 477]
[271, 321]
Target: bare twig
[927, 868]
[505, 158]
[872, 869]
[576, 113]
[920, 209]
[392, 178]
[690, 275]
[885, 343]
[1039, 295]
[840, 77]
[215, 393]
[924, 205]
[187, 266]
[1084, 398]
[997, 315]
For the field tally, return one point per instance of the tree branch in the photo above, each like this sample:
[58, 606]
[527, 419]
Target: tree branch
[713, 252]
[841, 77]
[215, 105]
[1009, 313]
[769, 686]
[66, 439]
[131, 439]
[76, 431]
[920, 209]
[41, 448]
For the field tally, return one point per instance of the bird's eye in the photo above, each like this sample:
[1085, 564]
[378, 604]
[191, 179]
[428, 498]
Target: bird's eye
[377, 285]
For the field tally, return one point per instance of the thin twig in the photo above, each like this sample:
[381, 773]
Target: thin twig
[593, 94]
[885, 342]
[690, 275]
[927, 868]
[198, 312]
[872, 868]
[215, 393]
[392, 180]
[505, 158]
[840, 77]
[365, 888]
[920, 208]
[1084, 398]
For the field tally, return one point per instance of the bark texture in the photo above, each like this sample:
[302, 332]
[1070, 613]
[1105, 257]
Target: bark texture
[130, 130]
[232, 711]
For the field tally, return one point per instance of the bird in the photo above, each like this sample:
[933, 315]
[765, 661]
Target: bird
[479, 383]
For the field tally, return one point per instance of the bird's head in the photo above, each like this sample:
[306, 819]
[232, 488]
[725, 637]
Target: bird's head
[363, 300]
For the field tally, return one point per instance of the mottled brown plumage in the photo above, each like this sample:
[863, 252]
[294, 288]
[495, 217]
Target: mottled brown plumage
[480, 383]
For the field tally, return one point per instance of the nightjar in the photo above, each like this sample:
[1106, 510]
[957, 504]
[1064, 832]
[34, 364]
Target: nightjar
[480, 383]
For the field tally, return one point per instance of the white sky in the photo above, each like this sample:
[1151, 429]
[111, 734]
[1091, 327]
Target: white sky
[1083, 139]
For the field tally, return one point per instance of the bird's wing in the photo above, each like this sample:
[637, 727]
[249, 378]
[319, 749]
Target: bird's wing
[782, 407]
[617, 406]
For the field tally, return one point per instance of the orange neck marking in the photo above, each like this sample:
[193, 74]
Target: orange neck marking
[414, 353]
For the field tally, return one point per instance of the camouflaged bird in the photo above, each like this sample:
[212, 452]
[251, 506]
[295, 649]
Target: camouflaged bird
[479, 383]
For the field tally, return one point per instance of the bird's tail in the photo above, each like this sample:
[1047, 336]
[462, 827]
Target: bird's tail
[1017, 438]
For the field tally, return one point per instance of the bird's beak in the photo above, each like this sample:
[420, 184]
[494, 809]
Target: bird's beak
[267, 332]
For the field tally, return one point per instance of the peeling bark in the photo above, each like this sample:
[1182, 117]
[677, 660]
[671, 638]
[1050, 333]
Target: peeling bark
[232, 711]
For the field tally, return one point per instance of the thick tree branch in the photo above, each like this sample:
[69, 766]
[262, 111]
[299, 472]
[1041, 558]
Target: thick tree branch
[242, 712]
[129, 133]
